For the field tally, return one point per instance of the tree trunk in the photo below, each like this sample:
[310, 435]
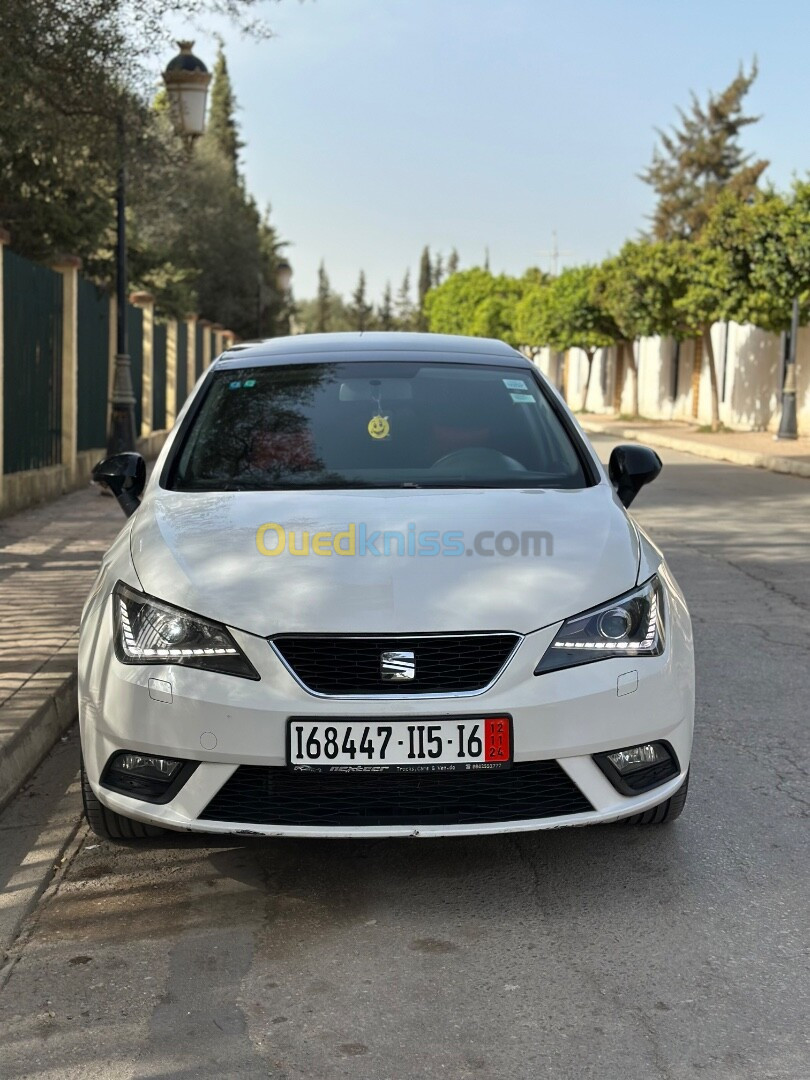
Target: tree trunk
[589, 355]
[708, 349]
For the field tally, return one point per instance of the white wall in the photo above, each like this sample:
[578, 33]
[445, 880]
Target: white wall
[748, 374]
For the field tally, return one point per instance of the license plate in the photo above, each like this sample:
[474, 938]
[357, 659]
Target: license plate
[440, 745]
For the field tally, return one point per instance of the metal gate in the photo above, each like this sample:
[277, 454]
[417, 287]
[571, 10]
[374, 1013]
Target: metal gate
[93, 366]
[32, 378]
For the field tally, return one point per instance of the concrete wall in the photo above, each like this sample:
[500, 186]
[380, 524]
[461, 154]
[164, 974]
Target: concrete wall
[748, 376]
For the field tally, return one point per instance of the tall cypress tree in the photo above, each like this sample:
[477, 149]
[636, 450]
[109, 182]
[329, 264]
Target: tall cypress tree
[323, 301]
[438, 270]
[360, 310]
[222, 128]
[385, 312]
[404, 306]
[425, 283]
[452, 263]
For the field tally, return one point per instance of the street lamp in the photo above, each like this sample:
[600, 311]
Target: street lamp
[284, 273]
[186, 78]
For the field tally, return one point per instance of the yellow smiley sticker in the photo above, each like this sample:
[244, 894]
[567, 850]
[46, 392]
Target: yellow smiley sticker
[378, 427]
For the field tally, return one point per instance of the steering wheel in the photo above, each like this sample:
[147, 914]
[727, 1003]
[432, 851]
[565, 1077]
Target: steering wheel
[479, 457]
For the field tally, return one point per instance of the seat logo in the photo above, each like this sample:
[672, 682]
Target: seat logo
[397, 666]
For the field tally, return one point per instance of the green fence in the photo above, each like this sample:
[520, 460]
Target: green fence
[198, 351]
[159, 376]
[182, 364]
[135, 348]
[93, 365]
[32, 383]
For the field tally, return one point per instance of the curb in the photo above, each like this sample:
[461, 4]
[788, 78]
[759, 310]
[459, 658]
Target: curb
[25, 749]
[771, 462]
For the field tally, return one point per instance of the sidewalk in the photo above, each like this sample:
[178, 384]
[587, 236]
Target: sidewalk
[755, 448]
[49, 557]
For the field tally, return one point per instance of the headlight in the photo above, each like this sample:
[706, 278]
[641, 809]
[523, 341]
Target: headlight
[632, 625]
[147, 631]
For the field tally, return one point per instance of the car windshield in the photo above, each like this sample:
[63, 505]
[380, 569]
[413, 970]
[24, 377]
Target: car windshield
[375, 424]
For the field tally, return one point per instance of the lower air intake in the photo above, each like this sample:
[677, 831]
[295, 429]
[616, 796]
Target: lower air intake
[257, 795]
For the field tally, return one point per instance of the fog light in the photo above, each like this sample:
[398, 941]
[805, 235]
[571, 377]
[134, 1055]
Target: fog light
[146, 776]
[636, 769]
[158, 768]
[637, 757]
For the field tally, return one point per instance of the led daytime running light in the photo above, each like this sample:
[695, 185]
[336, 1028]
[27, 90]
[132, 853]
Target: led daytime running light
[136, 651]
[647, 645]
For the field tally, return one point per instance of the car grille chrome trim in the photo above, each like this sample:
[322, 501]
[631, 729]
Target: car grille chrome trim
[398, 642]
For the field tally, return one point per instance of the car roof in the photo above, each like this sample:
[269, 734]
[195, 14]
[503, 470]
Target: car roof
[358, 346]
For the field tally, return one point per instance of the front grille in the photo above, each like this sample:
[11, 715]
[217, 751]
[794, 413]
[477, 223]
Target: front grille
[257, 795]
[444, 664]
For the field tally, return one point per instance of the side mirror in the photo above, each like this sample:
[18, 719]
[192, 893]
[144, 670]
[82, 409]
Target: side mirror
[125, 476]
[631, 466]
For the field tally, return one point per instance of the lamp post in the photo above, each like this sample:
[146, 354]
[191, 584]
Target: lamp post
[186, 80]
[121, 435]
[787, 423]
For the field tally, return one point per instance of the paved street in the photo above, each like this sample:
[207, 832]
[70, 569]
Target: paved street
[666, 953]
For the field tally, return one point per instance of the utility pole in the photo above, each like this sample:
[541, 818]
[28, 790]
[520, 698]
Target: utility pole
[555, 254]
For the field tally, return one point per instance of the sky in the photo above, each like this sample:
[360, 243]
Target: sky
[374, 127]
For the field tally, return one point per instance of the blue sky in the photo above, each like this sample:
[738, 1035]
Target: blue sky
[374, 127]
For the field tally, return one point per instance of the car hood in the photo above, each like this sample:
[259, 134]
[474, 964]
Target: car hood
[199, 551]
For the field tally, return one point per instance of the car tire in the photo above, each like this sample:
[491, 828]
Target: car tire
[665, 812]
[107, 824]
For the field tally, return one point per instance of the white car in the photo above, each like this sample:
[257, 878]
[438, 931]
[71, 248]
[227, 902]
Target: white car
[380, 585]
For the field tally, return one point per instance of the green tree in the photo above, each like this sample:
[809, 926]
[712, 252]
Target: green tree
[360, 310]
[566, 314]
[323, 302]
[425, 282]
[700, 158]
[385, 312]
[404, 309]
[749, 263]
[768, 238]
[70, 69]
[222, 128]
[438, 270]
[476, 303]
[639, 288]
[452, 263]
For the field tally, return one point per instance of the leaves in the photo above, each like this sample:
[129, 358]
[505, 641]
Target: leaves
[475, 302]
[700, 159]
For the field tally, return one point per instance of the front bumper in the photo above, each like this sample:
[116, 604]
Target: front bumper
[224, 722]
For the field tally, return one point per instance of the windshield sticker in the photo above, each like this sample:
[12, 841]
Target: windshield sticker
[515, 384]
[249, 383]
[378, 427]
[526, 399]
[235, 384]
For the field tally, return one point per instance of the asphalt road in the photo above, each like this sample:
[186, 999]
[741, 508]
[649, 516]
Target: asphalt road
[675, 952]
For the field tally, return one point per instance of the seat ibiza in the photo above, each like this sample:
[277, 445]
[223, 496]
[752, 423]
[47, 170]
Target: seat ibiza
[381, 585]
